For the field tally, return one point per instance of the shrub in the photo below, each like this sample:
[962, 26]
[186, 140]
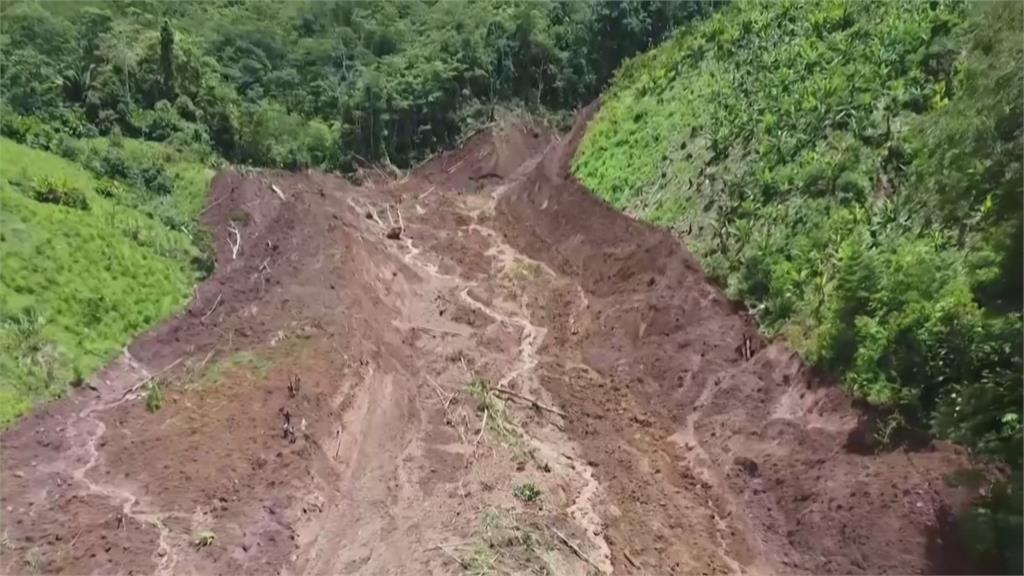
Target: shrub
[527, 492]
[154, 396]
[54, 190]
[110, 189]
[156, 180]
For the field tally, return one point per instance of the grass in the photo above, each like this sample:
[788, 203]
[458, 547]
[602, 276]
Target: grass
[508, 544]
[526, 492]
[499, 423]
[241, 366]
[77, 285]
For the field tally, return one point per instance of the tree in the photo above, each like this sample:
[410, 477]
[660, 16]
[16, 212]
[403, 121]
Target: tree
[167, 60]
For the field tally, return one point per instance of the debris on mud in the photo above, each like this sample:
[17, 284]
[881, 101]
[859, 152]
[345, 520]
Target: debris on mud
[655, 440]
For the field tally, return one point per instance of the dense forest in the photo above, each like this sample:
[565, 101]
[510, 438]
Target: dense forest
[855, 177]
[293, 84]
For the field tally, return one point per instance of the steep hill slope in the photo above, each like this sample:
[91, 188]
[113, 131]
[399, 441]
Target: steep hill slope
[476, 368]
[853, 175]
[86, 264]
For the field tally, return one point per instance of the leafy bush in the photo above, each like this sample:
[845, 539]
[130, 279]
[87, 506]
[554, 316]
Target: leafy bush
[110, 189]
[154, 396]
[527, 492]
[55, 190]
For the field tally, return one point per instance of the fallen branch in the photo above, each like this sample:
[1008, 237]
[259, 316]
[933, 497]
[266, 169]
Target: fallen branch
[212, 308]
[207, 359]
[464, 565]
[237, 244]
[483, 426]
[370, 164]
[449, 545]
[278, 192]
[425, 194]
[400, 223]
[441, 394]
[457, 164]
[531, 400]
[212, 204]
[575, 549]
[151, 378]
[630, 560]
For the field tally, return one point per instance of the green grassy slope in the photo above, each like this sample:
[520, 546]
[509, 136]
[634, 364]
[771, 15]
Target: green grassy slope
[77, 285]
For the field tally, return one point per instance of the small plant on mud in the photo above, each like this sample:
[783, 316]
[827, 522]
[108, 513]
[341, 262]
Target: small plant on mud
[506, 545]
[204, 539]
[33, 562]
[480, 561]
[498, 421]
[154, 396]
[527, 492]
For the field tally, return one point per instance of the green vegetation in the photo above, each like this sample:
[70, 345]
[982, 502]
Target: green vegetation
[527, 492]
[853, 173]
[87, 263]
[154, 396]
[508, 544]
[242, 366]
[305, 83]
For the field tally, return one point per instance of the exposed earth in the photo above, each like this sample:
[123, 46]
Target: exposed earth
[484, 370]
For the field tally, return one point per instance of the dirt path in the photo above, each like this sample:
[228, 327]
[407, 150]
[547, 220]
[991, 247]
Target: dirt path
[524, 382]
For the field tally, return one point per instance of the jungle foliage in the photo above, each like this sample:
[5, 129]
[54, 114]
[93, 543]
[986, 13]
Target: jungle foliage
[296, 84]
[852, 173]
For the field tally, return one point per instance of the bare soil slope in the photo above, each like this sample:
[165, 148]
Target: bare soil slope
[523, 381]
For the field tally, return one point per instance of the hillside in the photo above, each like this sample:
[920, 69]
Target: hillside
[87, 263]
[854, 177]
[520, 380]
[381, 287]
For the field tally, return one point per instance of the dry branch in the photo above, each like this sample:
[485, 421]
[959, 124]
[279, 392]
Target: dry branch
[441, 394]
[483, 427]
[531, 400]
[212, 204]
[214, 307]
[150, 379]
[237, 244]
[457, 164]
[575, 549]
[278, 192]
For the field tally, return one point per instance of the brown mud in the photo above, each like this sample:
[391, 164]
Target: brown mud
[661, 433]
